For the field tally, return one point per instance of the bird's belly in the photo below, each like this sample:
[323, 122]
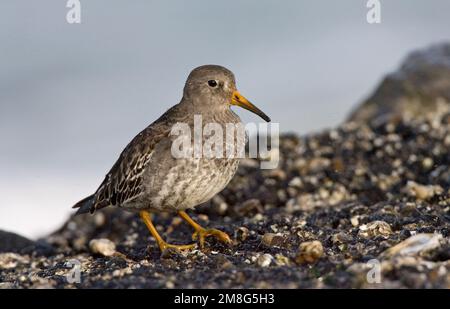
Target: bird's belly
[188, 183]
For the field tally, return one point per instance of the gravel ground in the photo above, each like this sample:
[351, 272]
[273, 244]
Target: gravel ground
[348, 204]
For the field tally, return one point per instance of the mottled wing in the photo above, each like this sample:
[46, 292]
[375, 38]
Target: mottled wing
[124, 181]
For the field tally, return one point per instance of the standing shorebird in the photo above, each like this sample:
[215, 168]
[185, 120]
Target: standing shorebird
[148, 178]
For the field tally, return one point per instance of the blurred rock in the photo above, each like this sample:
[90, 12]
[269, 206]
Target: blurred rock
[10, 242]
[418, 89]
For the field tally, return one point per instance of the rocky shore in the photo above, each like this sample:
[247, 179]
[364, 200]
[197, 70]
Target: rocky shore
[363, 205]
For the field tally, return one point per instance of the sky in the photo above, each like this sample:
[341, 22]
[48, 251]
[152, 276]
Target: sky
[73, 95]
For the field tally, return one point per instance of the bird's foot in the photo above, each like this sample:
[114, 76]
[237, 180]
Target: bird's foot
[164, 246]
[202, 233]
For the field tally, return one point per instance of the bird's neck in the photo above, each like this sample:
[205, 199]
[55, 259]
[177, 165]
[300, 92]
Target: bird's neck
[210, 111]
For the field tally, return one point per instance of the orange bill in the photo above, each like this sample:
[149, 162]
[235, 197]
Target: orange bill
[241, 101]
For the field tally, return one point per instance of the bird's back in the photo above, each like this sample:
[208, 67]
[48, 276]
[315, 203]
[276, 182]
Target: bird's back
[148, 176]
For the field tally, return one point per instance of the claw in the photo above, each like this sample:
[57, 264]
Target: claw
[202, 233]
[161, 243]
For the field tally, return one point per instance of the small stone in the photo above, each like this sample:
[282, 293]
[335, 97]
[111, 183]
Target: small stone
[250, 206]
[375, 228]
[415, 245]
[176, 221]
[99, 219]
[220, 205]
[170, 285]
[281, 260]
[278, 174]
[427, 163]
[242, 233]
[354, 221]
[422, 192]
[296, 182]
[272, 240]
[203, 217]
[264, 260]
[447, 140]
[258, 217]
[309, 252]
[102, 246]
[117, 273]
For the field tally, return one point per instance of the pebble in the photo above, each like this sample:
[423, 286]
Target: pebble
[272, 240]
[221, 206]
[250, 206]
[99, 219]
[281, 260]
[102, 246]
[242, 233]
[415, 245]
[375, 228]
[427, 163]
[296, 182]
[258, 217]
[264, 260]
[354, 221]
[422, 192]
[203, 217]
[170, 285]
[309, 252]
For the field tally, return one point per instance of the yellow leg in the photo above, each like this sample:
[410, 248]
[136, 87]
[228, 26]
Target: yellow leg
[145, 216]
[201, 233]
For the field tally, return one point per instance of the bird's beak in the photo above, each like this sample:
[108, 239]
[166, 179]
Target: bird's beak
[241, 101]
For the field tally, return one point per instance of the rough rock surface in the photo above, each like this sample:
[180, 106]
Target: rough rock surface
[340, 204]
[419, 88]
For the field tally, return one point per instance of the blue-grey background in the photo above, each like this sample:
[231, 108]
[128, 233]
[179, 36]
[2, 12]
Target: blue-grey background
[72, 96]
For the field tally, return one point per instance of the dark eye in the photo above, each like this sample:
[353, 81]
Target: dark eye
[212, 83]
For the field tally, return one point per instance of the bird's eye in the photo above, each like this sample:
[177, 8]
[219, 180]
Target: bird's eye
[212, 83]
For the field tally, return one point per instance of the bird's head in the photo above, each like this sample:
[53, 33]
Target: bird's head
[215, 86]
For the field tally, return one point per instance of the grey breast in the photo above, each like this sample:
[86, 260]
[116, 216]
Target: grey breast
[171, 184]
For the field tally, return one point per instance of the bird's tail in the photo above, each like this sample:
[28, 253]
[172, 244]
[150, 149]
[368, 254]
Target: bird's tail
[85, 205]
